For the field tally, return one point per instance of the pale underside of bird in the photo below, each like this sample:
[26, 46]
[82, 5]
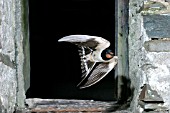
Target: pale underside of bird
[93, 66]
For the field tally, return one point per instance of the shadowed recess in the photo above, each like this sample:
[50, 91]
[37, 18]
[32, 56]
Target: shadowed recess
[55, 67]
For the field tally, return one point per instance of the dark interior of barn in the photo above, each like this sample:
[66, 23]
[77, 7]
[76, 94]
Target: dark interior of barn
[55, 66]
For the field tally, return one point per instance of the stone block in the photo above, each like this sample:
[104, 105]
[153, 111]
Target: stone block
[157, 45]
[157, 26]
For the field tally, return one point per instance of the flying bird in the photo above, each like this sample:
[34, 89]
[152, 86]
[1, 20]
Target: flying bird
[96, 59]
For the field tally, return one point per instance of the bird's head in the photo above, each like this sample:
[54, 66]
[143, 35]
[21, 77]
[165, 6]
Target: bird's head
[107, 54]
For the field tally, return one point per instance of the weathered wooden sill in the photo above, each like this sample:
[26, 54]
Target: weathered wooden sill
[36, 105]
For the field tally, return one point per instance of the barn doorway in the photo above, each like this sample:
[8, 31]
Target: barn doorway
[55, 67]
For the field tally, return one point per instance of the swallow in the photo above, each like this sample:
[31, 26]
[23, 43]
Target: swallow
[96, 59]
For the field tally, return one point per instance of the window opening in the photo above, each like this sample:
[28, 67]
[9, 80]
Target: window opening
[55, 67]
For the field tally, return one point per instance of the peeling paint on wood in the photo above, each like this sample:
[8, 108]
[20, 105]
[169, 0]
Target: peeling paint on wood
[63, 105]
[123, 64]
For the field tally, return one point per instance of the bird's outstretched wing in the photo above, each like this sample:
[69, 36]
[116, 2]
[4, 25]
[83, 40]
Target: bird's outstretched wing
[87, 45]
[93, 42]
[99, 72]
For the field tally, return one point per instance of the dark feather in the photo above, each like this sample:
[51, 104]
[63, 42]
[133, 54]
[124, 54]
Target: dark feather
[89, 43]
[97, 74]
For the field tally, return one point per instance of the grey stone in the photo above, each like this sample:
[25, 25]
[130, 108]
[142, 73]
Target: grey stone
[153, 5]
[167, 0]
[13, 49]
[6, 60]
[8, 82]
[145, 66]
[157, 26]
[0, 45]
[157, 46]
[150, 96]
[153, 107]
[149, 60]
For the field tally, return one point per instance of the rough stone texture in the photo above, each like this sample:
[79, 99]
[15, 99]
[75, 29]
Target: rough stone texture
[147, 67]
[157, 26]
[12, 92]
[157, 46]
[8, 82]
[158, 74]
[137, 53]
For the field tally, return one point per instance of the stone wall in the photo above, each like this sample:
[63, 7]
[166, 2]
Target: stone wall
[13, 49]
[149, 55]
[8, 83]
[137, 54]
